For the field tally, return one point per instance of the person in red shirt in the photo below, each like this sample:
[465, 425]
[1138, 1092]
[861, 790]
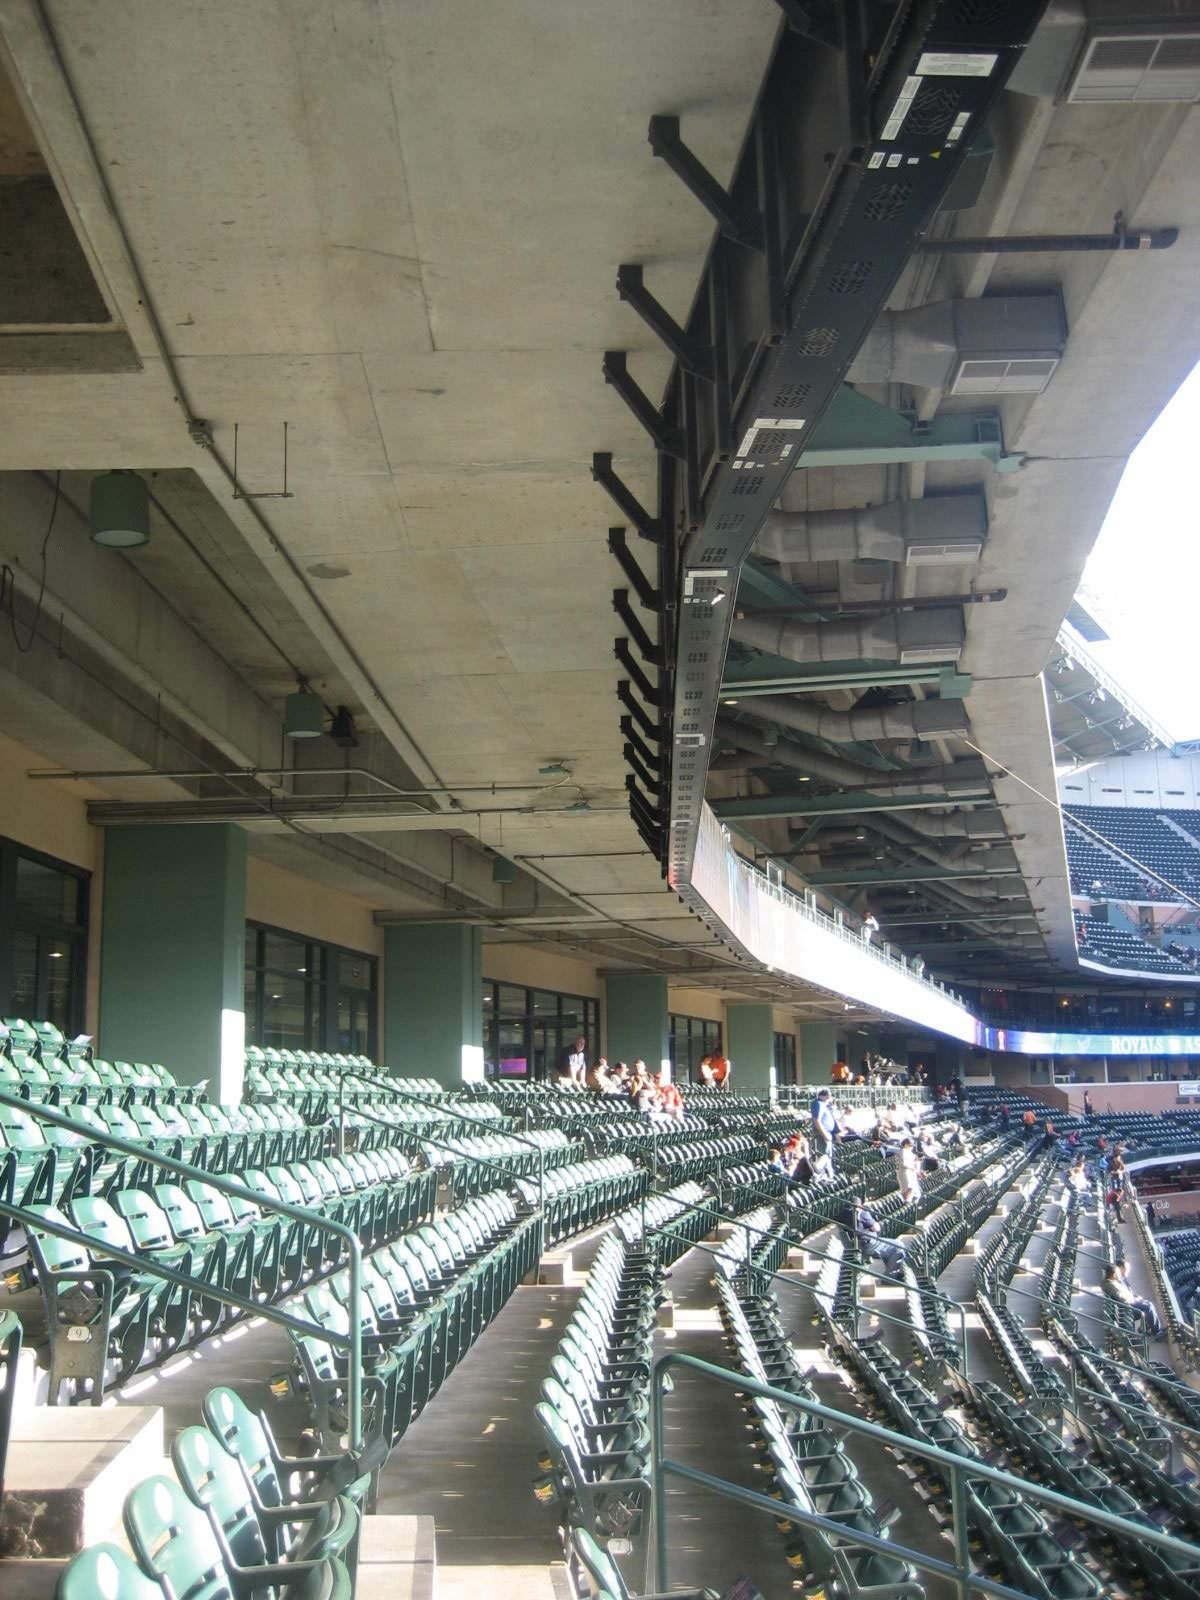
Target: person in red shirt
[670, 1099]
[721, 1067]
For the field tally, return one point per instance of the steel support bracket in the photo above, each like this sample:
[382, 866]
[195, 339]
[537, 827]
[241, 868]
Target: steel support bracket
[646, 685]
[651, 651]
[648, 596]
[602, 471]
[644, 752]
[631, 288]
[733, 221]
[616, 373]
[637, 710]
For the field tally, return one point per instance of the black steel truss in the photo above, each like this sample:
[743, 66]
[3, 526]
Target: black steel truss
[861, 123]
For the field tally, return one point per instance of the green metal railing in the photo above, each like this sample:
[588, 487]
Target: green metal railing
[475, 1122]
[856, 1269]
[227, 1186]
[1134, 1341]
[954, 1469]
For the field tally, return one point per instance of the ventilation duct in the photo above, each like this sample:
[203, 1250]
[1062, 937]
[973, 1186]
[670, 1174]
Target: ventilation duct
[911, 638]
[1001, 344]
[919, 719]
[1143, 65]
[939, 782]
[1001, 860]
[947, 530]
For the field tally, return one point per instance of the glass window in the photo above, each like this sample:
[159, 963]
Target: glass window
[304, 995]
[43, 937]
[44, 894]
[692, 1038]
[527, 1033]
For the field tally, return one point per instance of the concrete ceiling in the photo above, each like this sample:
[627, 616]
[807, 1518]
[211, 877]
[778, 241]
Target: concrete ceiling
[394, 225]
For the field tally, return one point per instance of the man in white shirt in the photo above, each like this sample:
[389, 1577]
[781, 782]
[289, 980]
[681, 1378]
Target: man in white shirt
[577, 1061]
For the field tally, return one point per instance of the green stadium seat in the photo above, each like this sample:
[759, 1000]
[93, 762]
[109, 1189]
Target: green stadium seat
[106, 1572]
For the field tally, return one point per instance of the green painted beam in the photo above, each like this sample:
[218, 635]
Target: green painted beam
[881, 875]
[857, 432]
[830, 805]
[809, 834]
[761, 586]
[773, 675]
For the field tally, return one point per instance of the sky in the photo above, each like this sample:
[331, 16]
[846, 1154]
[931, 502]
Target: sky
[1142, 580]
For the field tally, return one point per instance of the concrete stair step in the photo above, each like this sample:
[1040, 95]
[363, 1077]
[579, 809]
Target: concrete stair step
[69, 1470]
[502, 1583]
[397, 1559]
[29, 1580]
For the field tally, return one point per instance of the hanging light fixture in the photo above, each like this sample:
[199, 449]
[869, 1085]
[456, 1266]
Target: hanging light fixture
[303, 714]
[119, 511]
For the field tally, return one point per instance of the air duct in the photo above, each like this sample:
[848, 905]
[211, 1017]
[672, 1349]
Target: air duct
[1000, 344]
[946, 530]
[920, 719]
[912, 638]
[936, 781]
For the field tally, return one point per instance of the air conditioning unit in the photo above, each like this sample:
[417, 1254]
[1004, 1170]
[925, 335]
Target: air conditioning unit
[996, 375]
[1138, 66]
[958, 553]
[929, 655]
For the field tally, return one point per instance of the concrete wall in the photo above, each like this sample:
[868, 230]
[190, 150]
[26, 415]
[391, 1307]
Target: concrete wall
[1154, 780]
[286, 900]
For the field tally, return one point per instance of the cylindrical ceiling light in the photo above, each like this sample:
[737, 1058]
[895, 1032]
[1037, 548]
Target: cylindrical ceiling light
[303, 715]
[119, 512]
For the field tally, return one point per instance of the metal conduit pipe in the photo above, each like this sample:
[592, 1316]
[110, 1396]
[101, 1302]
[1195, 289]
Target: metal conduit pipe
[1000, 859]
[832, 769]
[922, 635]
[922, 719]
[954, 526]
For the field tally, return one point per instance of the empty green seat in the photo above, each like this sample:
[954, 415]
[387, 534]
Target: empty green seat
[106, 1572]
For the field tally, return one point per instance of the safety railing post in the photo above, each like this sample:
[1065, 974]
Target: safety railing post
[341, 1113]
[658, 1479]
[355, 1379]
[961, 1531]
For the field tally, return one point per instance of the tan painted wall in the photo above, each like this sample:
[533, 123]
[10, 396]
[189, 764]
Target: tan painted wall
[706, 1003]
[296, 904]
[540, 968]
[52, 817]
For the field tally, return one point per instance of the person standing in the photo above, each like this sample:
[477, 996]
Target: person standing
[721, 1067]
[577, 1061]
[870, 927]
[1087, 1105]
[908, 1172]
[824, 1125]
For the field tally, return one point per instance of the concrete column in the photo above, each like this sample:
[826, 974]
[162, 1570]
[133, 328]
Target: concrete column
[172, 952]
[433, 1002]
[636, 1011]
[751, 1047]
[818, 1051]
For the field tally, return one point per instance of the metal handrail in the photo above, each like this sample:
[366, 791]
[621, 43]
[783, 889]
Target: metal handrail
[1140, 1342]
[227, 1186]
[485, 1161]
[953, 1468]
[857, 1269]
[377, 1082]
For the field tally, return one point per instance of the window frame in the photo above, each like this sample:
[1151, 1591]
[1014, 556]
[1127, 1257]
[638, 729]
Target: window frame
[528, 1020]
[323, 989]
[43, 929]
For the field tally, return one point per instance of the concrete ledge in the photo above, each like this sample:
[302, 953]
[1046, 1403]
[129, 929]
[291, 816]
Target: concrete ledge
[68, 1472]
[556, 1269]
[397, 1559]
[867, 1287]
[30, 1580]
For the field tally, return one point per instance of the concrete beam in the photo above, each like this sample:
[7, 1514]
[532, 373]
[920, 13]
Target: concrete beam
[794, 805]
[900, 875]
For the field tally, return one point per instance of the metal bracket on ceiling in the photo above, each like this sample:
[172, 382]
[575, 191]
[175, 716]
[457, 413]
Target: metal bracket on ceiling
[641, 772]
[691, 355]
[743, 227]
[263, 494]
[634, 668]
[637, 710]
[648, 595]
[650, 648]
[636, 743]
[818, 21]
[616, 372]
[602, 471]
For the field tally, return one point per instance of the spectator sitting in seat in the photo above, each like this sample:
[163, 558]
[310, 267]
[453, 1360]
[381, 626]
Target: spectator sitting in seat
[705, 1072]
[1078, 1181]
[821, 1163]
[618, 1079]
[598, 1080]
[871, 1241]
[1116, 1288]
[669, 1098]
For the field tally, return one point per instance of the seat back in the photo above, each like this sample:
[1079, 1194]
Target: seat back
[240, 1432]
[173, 1540]
[106, 1572]
[213, 1479]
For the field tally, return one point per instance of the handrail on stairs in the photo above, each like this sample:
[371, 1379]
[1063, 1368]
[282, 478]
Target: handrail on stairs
[227, 1186]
